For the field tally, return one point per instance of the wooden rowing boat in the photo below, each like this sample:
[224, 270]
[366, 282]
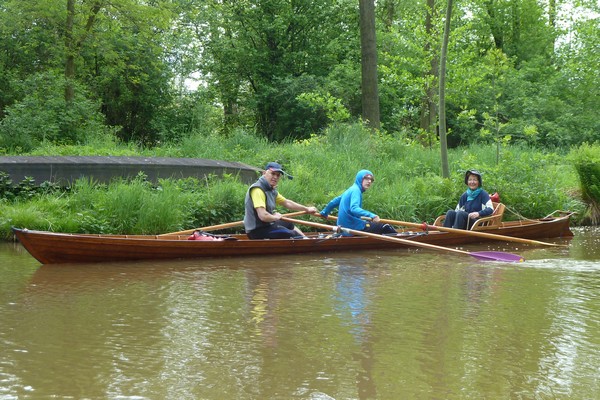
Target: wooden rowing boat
[58, 248]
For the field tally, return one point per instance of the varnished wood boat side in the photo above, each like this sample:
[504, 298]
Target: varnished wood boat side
[50, 248]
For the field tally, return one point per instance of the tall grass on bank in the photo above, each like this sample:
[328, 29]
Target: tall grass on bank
[128, 207]
[586, 159]
[408, 185]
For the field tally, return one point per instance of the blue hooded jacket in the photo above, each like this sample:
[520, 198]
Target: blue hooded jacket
[349, 205]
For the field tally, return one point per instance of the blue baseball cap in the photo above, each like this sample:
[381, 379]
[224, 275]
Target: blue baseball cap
[276, 167]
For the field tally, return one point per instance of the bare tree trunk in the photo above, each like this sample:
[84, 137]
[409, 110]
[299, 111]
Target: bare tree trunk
[428, 114]
[443, 141]
[368, 46]
[70, 49]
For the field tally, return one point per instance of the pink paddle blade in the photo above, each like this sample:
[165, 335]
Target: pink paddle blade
[497, 256]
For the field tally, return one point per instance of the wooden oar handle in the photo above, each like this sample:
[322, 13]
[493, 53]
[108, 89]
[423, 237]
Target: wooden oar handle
[373, 235]
[334, 228]
[468, 232]
[224, 226]
[485, 256]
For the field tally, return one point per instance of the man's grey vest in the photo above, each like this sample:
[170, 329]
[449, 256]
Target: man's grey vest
[251, 220]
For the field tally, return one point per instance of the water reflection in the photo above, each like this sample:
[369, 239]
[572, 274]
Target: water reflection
[353, 306]
[587, 247]
[575, 323]
[405, 324]
[263, 298]
[351, 302]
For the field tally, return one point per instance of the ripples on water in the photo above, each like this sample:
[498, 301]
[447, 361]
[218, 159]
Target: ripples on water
[387, 325]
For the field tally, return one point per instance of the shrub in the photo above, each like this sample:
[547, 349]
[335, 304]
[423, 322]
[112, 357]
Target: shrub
[42, 115]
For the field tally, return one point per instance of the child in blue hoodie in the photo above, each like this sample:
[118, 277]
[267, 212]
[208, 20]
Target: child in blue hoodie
[350, 211]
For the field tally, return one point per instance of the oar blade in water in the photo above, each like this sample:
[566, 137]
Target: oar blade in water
[497, 256]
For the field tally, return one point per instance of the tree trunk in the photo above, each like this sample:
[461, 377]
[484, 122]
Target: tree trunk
[442, 79]
[495, 25]
[70, 49]
[552, 20]
[368, 46]
[428, 114]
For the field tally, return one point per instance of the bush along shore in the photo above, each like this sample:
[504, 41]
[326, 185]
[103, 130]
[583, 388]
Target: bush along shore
[531, 182]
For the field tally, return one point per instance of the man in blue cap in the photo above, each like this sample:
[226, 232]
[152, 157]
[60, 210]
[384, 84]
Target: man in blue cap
[261, 220]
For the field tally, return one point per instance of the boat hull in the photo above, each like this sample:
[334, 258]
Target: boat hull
[53, 248]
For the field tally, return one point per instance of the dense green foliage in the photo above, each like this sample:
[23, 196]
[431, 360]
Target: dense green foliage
[519, 71]
[407, 185]
[281, 80]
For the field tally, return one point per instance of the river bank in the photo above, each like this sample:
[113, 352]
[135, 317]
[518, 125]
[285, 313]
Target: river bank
[532, 183]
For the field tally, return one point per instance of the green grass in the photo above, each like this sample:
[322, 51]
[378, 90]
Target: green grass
[408, 185]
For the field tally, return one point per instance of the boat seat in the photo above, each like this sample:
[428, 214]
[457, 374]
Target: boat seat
[439, 221]
[491, 222]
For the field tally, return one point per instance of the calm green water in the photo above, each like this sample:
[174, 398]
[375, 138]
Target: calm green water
[375, 325]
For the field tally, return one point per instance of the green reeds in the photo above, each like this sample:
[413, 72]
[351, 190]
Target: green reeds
[587, 163]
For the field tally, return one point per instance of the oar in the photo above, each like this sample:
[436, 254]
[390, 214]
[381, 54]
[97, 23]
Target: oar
[468, 232]
[480, 255]
[224, 226]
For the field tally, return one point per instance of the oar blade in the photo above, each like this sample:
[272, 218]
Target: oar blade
[496, 256]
